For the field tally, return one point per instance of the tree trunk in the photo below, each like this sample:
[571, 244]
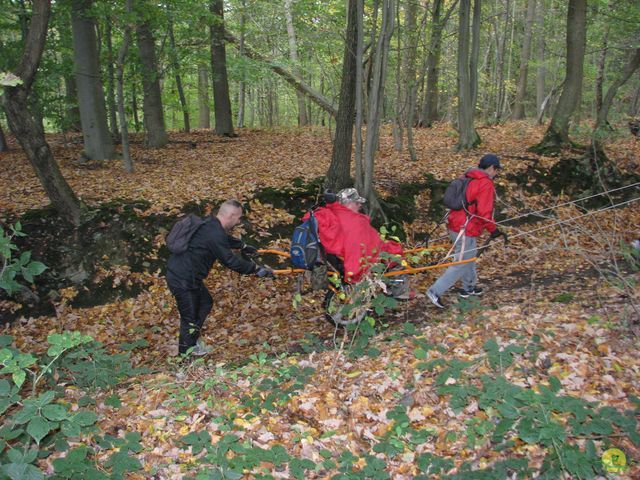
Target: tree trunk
[339, 173]
[521, 89]
[242, 87]
[152, 98]
[541, 69]
[290, 78]
[557, 134]
[134, 105]
[25, 129]
[600, 129]
[71, 112]
[410, 82]
[122, 54]
[111, 97]
[501, 36]
[175, 64]
[4, 146]
[222, 103]
[430, 104]
[374, 113]
[359, 167]
[293, 53]
[98, 144]
[601, 70]
[468, 136]
[398, 126]
[204, 113]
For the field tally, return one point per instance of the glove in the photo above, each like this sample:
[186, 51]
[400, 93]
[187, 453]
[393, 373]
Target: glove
[496, 233]
[263, 271]
[249, 249]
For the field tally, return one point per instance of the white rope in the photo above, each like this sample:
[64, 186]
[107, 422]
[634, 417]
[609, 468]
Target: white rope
[535, 212]
[562, 222]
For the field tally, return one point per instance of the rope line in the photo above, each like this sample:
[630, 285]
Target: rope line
[535, 212]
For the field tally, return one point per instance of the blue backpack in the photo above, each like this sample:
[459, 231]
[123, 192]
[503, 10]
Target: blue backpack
[306, 249]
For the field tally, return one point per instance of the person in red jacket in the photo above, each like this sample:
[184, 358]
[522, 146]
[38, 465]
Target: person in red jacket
[465, 226]
[348, 234]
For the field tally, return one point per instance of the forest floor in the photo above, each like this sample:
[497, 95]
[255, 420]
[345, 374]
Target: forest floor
[541, 375]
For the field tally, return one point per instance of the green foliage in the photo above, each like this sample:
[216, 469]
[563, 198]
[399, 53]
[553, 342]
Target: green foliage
[39, 420]
[11, 267]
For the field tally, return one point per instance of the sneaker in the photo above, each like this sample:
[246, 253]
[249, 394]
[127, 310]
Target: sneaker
[201, 349]
[435, 299]
[475, 291]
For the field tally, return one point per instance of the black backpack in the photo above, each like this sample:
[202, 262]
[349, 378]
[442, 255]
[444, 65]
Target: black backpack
[455, 196]
[178, 238]
[306, 250]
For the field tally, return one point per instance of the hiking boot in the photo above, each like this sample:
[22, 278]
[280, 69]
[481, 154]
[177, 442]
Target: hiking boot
[475, 291]
[201, 349]
[435, 299]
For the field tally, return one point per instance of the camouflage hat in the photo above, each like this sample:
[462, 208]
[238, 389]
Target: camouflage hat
[347, 195]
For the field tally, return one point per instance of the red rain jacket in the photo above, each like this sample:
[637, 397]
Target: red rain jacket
[480, 194]
[350, 236]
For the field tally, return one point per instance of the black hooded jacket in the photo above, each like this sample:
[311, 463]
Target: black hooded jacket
[211, 242]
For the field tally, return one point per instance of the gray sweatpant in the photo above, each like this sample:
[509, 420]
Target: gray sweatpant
[466, 271]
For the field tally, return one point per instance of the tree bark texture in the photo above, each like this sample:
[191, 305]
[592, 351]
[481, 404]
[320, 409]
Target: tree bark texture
[71, 111]
[204, 112]
[602, 60]
[152, 98]
[120, 63]
[98, 144]
[242, 87]
[25, 129]
[540, 54]
[468, 135]
[111, 96]
[222, 102]
[557, 134]
[339, 173]
[293, 53]
[430, 104]
[175, 65]
[521, 89]
[376, 96]
[410, 73]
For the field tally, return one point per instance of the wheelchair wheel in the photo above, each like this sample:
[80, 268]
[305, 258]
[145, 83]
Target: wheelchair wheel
[333, 303]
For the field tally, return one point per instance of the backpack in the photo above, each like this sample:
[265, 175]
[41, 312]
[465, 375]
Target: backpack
[178, 238]
[455, 196]
[306, 250]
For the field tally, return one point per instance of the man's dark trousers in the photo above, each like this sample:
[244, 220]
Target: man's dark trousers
[194, 304]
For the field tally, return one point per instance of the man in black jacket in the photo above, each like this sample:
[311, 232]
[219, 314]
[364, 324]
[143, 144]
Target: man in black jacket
[186, 272]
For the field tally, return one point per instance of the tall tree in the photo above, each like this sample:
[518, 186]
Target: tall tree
[242, 87]
[600, 129]
[221, 100]
[293, 53]
[111, 96]
[469, 138]
[541, 70]
[120, 63]
[175, 65]
[26, 130]
[339, 173]
[521, 89]
[204, 112]
[374, 112]
[98, 144]
[557, 134]
[152, 97]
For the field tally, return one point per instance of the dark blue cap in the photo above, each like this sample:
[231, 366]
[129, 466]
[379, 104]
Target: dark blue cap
[489, 160]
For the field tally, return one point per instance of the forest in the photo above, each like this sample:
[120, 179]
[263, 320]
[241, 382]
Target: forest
[118, 118]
